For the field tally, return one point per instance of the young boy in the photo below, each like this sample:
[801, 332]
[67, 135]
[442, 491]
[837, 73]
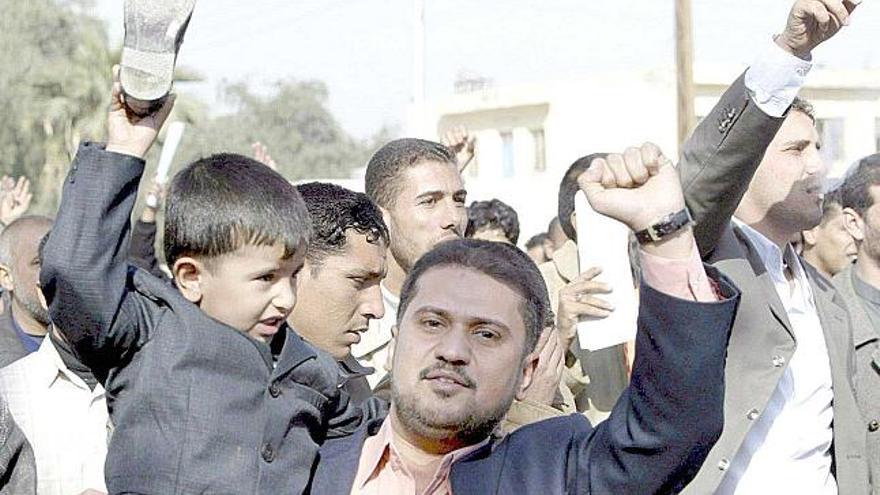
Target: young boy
[198, 400]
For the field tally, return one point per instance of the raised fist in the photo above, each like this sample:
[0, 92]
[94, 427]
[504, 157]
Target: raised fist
[637, 188]
[811, 22]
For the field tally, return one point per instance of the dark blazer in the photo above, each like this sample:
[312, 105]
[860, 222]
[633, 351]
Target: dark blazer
[18, 472]
[717, 165]
[654, 441]
[11, 347]
[142, 248]
[198, 406]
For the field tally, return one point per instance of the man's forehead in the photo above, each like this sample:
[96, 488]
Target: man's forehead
[360, 252]
[797, 125]
[430, 176]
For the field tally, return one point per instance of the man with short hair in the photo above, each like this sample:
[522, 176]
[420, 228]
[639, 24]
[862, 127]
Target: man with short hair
[752, 177]
[338, 291]
[492, 220]
[62, 410]
[24, 323]
[859, 284]
[539, 248]
[470, 316]
[828, 246]
[418, 188]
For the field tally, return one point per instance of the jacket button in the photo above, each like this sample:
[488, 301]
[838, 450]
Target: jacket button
[873, 426]
[724, 464]
[752, 414]
[268, 453]
[778, 361]
[274, 389]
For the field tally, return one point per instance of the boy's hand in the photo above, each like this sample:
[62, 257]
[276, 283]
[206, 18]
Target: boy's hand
[128, 133]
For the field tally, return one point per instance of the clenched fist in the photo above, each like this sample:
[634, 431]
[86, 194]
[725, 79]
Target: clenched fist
[812, 22]
[637, 188]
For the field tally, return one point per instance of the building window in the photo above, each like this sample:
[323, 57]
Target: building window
[507, 169]
[831, 139]
[540, 151]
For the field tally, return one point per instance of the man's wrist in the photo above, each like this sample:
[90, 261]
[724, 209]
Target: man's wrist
[800, 52]
[678, 245]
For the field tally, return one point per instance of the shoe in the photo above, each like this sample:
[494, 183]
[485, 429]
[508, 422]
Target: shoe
[154, 31]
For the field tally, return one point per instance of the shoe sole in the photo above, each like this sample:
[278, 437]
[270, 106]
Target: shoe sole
[154, 31]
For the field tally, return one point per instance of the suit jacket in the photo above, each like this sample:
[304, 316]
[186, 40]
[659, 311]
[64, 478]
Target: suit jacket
[717, 165]
[11, 348]
[866, 338]
[198, 406]
[18, 472]
[654, 441]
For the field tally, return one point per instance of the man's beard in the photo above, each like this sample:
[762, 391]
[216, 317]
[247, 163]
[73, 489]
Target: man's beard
[468, 428]
[32, 305]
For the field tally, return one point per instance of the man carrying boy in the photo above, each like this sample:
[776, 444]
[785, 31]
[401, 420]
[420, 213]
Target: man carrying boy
[200, 402]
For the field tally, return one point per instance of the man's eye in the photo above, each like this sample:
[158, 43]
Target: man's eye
[432, 323]
[428, 202]
[268, 277]
[486, 334]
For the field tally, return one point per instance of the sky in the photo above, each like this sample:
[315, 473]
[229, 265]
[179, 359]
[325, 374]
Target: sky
[362, 49]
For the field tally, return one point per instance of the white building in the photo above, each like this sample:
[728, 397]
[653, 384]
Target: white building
[528, 135]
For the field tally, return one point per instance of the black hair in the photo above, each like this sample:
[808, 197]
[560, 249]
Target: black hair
[493, 214]
[334, 210]
[386, 165]
[855, 192]
[223, 202]
[537, 240]
[504, 263]
[567, 190]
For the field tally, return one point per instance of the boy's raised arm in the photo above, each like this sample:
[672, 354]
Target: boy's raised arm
[85, 260]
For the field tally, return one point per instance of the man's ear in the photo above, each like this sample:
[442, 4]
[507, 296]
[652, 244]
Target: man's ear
[389, 360]
[189, 275]
[530, 363]
[809, 237]
[854, 224]
[6, 280]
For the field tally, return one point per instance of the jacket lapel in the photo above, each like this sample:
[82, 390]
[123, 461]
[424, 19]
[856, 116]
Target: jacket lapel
[295, 352]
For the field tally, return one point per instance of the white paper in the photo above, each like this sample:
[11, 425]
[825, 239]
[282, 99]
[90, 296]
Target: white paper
[604, 242]
[169, 148]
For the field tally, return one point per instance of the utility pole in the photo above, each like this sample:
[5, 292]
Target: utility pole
[684, 68]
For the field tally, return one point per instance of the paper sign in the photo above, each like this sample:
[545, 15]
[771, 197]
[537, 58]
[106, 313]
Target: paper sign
[169, 148]
[604, 242]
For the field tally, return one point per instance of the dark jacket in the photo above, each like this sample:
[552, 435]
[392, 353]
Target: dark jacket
[717, 166]
[11, 347]
[18, 473]
[198, 406]
[654, 441]
[142, 249]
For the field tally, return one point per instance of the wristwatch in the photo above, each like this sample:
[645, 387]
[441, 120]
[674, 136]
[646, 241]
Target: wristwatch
[665, 227]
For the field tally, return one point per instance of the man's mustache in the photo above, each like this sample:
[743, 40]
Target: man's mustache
[458, 371]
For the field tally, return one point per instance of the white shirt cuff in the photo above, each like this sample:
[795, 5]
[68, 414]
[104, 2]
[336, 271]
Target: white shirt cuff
[775, 79]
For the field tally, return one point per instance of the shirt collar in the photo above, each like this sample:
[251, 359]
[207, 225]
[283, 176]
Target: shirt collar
[378, 450]
[52, 368]
[352, 368]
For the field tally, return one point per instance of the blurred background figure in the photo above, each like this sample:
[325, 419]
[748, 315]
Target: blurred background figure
[492, 220]
[828, 246]
[539, 248]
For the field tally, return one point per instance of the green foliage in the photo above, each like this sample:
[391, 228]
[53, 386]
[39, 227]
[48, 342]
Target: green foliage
[292, 121]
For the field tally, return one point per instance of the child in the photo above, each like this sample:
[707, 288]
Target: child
[198, 401]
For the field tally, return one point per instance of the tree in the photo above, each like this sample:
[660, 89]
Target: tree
[292, 121]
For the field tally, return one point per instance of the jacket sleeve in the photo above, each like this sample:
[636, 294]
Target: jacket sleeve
[719, 160]
[85, 271]
[669, 417]
[142, 250]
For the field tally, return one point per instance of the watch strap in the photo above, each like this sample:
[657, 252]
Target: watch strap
[665, 227]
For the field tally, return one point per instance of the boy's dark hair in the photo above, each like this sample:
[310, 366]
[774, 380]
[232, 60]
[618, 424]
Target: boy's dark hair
[537, 240]
[225, 201]
[567, 190]
[855, 192]
[493, 214]
[334, 210]
[386, 165]
[504, 263]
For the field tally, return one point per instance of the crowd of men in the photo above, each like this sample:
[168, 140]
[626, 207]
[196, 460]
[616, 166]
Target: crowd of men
[313, 339]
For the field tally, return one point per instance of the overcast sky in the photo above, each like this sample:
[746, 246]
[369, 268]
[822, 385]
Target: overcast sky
[362, 49]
